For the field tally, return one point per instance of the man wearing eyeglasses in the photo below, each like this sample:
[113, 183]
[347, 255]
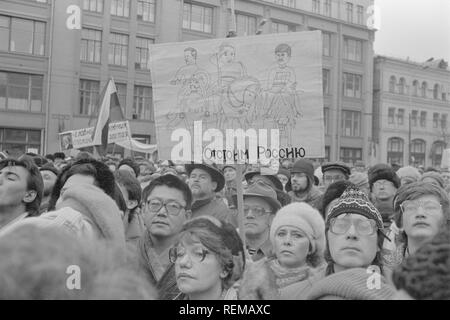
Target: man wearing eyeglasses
[166, 206]
[260, 206]
[383, 183]
[333, 172]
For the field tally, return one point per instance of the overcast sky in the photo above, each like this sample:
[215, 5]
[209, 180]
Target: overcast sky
[419, 29]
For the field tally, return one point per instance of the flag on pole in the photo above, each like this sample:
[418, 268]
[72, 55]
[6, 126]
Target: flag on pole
[109, 111]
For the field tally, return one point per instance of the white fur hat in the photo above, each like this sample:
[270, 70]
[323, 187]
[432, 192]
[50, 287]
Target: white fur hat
[304, 217]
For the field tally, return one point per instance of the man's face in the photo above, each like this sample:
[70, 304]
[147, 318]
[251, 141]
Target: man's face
[161, 223]
[229, 173]
[299, 181]
[13, 186]
[422, 217]
[256, 223]
[49, 179]
[352, 248]
[201, 184]
[189, 57]
[383, 189]
[446, 177]
[282, 58]
[331, 176]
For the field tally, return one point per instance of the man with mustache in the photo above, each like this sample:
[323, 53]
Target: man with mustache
[383, 183]
[204, 181]
[166, 206]
[301, 187]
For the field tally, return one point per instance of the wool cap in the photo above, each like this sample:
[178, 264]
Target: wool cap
[383, 172]
[336, 166]
[355, 201]
[304, 217]
[435, 176]
[303, 166]
[284, 172]
[409, 172]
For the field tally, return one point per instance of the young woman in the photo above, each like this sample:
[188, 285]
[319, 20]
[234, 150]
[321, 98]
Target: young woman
[209, 259]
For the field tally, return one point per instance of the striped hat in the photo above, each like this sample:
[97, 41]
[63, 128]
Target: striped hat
[355, 201]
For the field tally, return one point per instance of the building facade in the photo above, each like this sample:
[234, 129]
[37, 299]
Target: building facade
[56, 56]
[411, 110]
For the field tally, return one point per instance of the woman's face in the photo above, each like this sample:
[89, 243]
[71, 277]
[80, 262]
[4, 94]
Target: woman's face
[291, 247]
[352, 240]
[197, 269]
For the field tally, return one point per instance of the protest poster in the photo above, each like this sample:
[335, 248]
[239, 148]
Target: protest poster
[81, 138]
[266, 88]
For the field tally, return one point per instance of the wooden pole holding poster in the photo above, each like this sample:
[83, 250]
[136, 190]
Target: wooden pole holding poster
[240, 201]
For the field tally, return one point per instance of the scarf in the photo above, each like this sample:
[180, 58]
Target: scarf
[285, 277]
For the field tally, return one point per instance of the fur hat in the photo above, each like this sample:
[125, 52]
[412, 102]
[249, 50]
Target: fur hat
[409, 172]
[383, 172]
[336, 166]
[304, 217]
[435, 176]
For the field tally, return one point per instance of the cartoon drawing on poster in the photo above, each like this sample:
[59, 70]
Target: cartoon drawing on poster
[260, 82]
[66, 141]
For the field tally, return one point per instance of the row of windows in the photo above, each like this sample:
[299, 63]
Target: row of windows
[18, 141]
[353, 48]
[347, 155]
[121, 8]
[402, 88]
[350, 123]
[350, 13]
[396, 149]
[22, 35]
[91, 43]
[439, 120]
[142, 99]
[24, 92]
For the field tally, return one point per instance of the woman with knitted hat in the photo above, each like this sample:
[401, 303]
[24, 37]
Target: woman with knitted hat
[297, 234]
[209, 259]
[354, 233]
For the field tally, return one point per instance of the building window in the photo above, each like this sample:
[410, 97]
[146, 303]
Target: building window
[400, 116]
[93, 5]
[146, 10]
[437, 150]
[415, 88]
[91, 45]
[326, 117]
[436, 91]
[316, 6]
[395, 151]
[327, 8]
[414, 115]
[19, 91]
[197, 18]
[326, 81]
[401, 86]
[120, 8]
[444, 122]
[122, 95]
[245, 25]
[352, 85]
[392, 84]
[326, 44]
[143, 105]
[435, 120]
[349, 8]
[353, 49]
[143, 53]
[351, 123]
[327, 154]
[360, 14]
[89, 95]
[391, 115]
[418, 152]
[424, 89]
[350, 155]
[285, 3]
[423, 119]
[19, 141]
[22, 36]
[280, 27]
[118, 49]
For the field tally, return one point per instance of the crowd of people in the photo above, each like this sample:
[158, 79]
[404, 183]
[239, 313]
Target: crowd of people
[138, 229]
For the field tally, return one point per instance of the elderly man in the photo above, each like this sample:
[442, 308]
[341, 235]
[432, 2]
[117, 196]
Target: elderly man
[333, 172]
[260, 206]
[204, 181]
[21, 189]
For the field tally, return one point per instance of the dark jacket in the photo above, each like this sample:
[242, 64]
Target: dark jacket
[312, 197]
[211, 207]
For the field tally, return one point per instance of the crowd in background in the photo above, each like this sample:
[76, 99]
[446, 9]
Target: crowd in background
[139, 229]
